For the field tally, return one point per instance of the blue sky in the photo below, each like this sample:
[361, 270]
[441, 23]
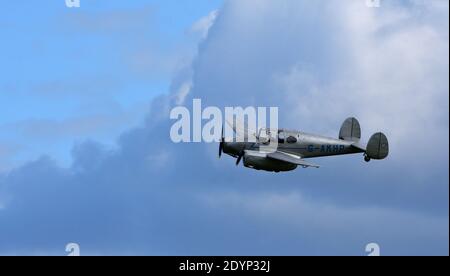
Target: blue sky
[85, 154]
[103, 62]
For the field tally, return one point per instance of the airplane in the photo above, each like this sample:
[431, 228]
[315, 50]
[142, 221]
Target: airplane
[293, 147]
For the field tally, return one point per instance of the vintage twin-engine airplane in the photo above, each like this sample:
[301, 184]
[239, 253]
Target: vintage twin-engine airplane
[293, 147]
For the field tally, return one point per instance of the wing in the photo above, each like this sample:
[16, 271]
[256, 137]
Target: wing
[290, 158]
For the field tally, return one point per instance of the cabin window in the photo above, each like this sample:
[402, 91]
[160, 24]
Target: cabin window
[281, 137]
[291, 140]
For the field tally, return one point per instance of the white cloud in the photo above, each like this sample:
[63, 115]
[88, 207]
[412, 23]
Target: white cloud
[203, 25]
[394, 77]
[387, 66]
[323, 61]
[183, 92]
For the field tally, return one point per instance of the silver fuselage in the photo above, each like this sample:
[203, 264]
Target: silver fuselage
[305, 145]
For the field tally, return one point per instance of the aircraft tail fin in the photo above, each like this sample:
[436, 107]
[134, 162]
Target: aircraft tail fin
[350, 130]
[378, 146]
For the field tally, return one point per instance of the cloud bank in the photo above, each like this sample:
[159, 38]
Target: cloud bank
[320, 62]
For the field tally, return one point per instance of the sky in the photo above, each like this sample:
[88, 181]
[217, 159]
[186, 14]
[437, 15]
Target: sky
[85, 152]
[74, 74]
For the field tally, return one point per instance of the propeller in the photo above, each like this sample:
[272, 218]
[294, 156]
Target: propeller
[222, 141]
[243, 133]
[241, 154]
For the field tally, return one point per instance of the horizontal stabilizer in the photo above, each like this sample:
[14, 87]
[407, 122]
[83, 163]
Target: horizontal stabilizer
[378, 146]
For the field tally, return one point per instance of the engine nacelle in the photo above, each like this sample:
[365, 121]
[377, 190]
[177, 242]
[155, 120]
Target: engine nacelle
[259, 161]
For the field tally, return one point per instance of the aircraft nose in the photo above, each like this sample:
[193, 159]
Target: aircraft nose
[232, 148]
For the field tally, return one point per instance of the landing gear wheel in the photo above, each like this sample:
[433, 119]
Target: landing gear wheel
[366, 158]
